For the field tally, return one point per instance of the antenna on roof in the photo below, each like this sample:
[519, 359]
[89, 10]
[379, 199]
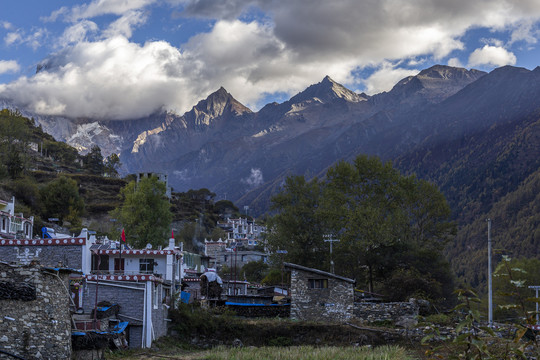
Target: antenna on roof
[148, 246]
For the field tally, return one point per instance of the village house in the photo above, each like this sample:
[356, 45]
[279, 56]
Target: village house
[319, 295]
[14, 225]
[161, 177]
[140, 281]
[143, 301]
[236, 258]
[242, 232]
[68, 252]
[193, 266]
[235, 287]
[213, 248]
[35, 321]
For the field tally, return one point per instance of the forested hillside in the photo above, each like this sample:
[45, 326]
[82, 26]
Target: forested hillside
[491, 172]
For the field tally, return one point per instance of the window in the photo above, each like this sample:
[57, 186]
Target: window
[16, 225]
[318, 283]
[119, 265]
[146, 266]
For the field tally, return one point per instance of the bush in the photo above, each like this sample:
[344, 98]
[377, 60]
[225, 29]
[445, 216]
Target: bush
[26, 192]
[190, 320]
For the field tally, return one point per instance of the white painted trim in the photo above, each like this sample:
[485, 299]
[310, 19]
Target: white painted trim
[116, 285]
[148, 308]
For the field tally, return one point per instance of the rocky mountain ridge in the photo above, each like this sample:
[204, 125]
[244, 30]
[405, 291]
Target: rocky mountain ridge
[474, 134]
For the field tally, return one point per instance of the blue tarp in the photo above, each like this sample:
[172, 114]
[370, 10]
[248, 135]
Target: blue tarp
[247, 304]
[184, 297]
[120, 327]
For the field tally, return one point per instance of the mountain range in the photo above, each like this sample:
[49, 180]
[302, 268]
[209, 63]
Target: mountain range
[474, 134]
[245, 155]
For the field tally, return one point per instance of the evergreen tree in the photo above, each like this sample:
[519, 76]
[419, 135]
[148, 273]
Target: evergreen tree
[93, 161]
[14, 135]
[111, 165]
[145, 213]
[61, 199]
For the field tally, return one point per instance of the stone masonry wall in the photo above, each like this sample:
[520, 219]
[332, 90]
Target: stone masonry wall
[69, 256]
[39, 328]
[335, 303]
[158, 318]
[395, 312]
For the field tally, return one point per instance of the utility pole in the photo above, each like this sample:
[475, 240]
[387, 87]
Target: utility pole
[329, 238]
[490, 288]
[536, 287]
[282, 252]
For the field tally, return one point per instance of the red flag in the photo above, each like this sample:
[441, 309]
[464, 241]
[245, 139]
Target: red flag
[123, 236]
[172, 234]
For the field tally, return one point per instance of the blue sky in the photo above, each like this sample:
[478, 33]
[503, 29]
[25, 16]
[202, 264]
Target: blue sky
[121, 59]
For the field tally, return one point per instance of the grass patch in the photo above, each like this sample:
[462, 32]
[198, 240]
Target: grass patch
[308, 353]
[439, 319]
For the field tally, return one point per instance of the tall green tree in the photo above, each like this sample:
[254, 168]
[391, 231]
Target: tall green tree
[61, 199]
[111, 165]
[297, 227]
[255, 271]
[145, 213]
[93, 161]
[391, 228]
[362, 207]
[14, 135]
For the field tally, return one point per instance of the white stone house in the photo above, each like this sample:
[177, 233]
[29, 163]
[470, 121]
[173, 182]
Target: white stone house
[242, 231]
[14, 225]
[109, 259]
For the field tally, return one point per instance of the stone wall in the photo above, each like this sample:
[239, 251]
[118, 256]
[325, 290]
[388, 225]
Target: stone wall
[403, 314]
[334, 303]
[48, 255]
[159, 314]
[38, 328]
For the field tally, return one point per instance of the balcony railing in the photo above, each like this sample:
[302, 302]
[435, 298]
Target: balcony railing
[126, 272]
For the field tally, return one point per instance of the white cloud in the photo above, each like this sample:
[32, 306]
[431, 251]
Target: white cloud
[104, 7]
[386, 77]
[454, 62]
[100, 73]
[254, 179]
[78, 32]
[491, 55]
[526, 31]
[8, 66]
[12, 38]
[126, 23]
[34, 40]
[112, 79]
[6, 25]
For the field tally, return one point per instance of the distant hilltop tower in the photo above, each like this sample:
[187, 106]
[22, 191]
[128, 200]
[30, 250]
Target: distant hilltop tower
[161, 177]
